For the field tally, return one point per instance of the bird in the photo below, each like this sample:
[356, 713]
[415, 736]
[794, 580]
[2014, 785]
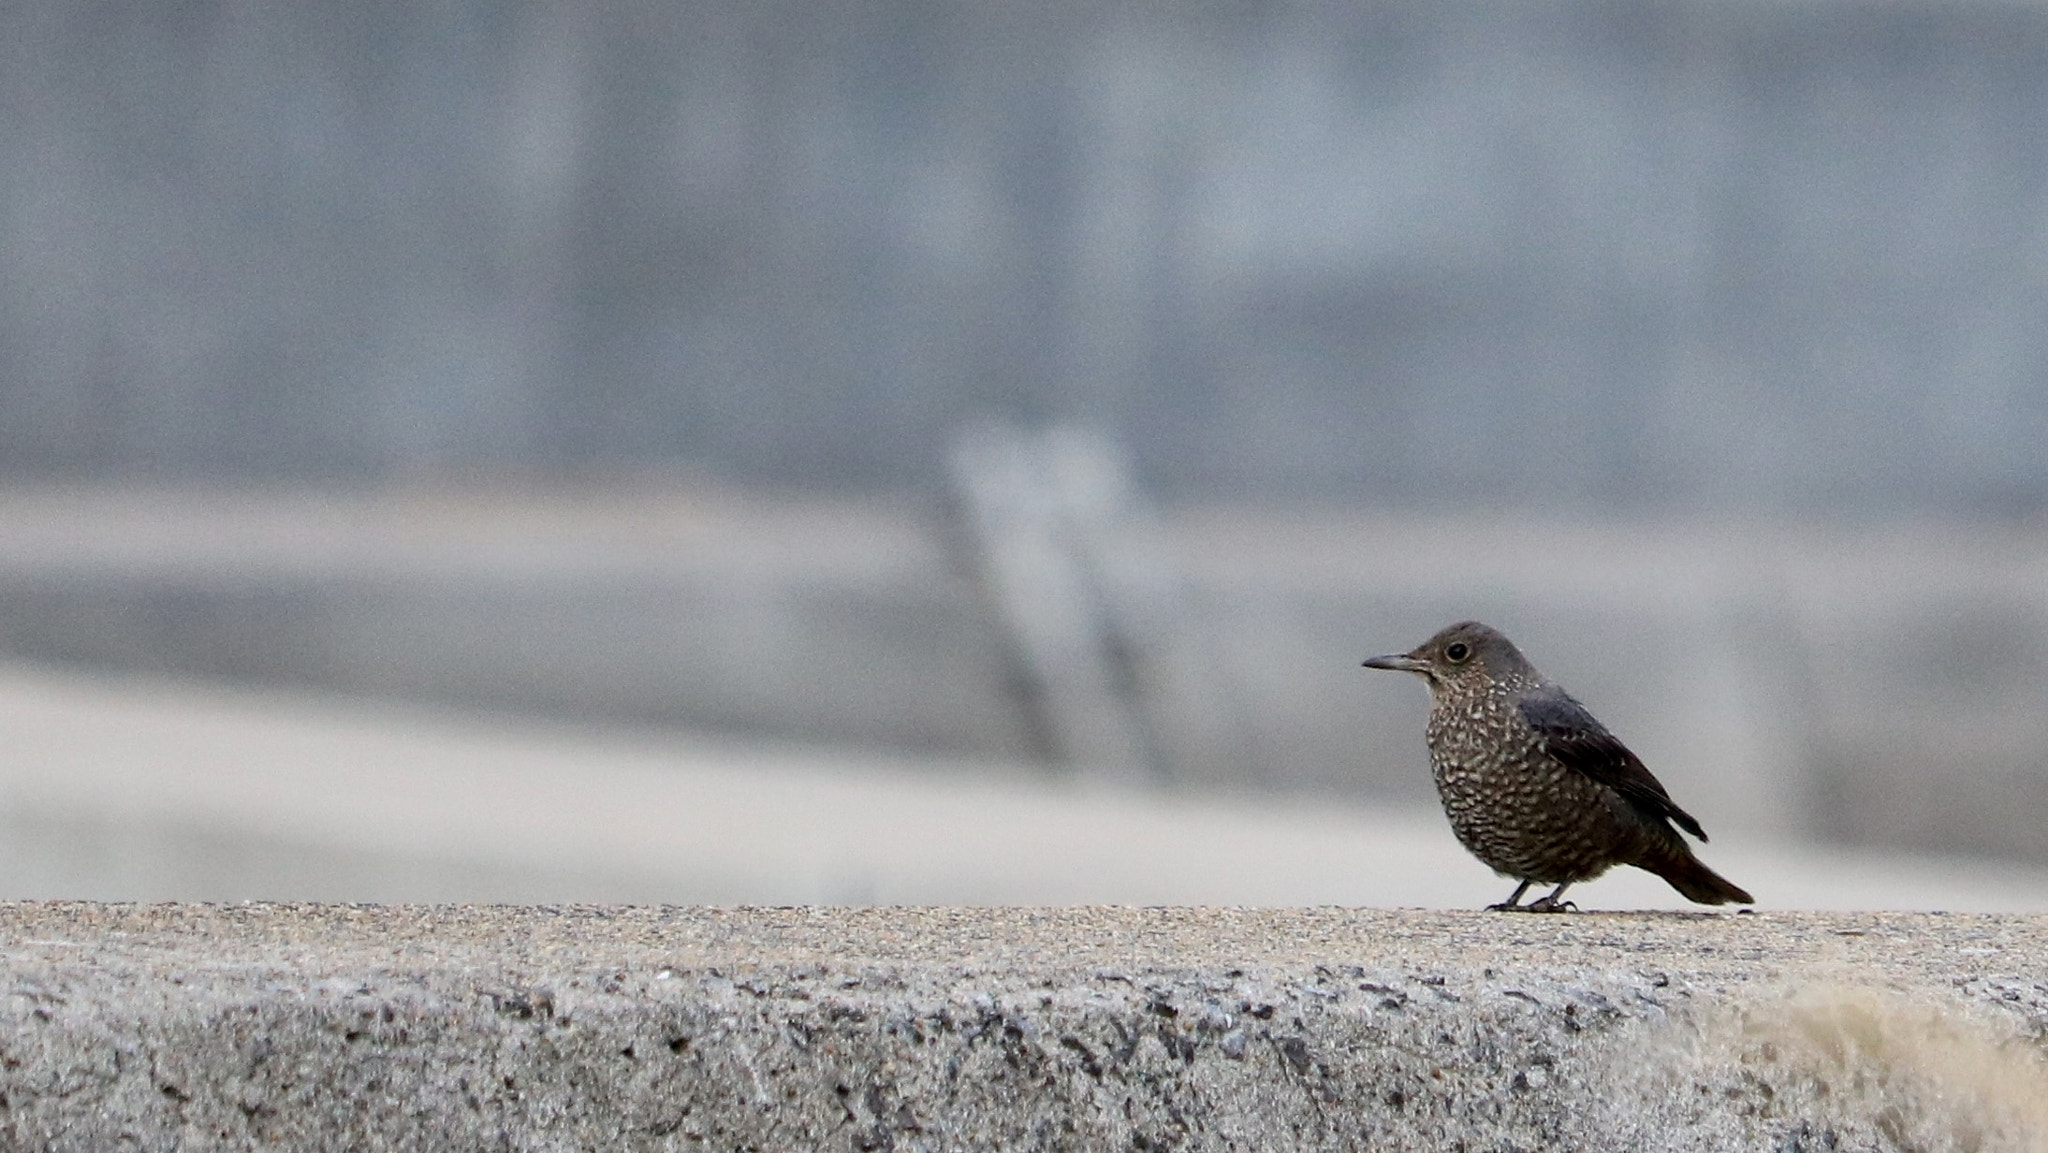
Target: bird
[1534, 786]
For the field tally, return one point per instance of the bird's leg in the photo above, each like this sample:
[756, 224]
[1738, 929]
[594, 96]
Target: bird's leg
[1509, 905]
[1551, 904]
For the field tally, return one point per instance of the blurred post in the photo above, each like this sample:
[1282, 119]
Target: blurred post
[1113, 663]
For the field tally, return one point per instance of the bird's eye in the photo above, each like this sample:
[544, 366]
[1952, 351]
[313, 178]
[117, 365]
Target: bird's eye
[1457, 651]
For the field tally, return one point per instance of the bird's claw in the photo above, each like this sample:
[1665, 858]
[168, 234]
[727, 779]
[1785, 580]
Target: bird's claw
[1539, 905]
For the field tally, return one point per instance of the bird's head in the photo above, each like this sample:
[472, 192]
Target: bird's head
[1465, 653]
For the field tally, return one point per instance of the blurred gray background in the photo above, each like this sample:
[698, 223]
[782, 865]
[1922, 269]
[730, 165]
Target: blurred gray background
[916, 397]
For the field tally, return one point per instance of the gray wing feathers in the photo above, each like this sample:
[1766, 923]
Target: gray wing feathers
[1583, 744]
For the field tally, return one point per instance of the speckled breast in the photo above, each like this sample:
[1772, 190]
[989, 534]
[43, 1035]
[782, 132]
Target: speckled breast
[1515, 808]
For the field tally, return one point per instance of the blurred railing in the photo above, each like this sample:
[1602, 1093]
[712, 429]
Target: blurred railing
[1877, 684]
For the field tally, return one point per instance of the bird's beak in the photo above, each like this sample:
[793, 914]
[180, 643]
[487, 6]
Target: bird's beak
[1399, 662]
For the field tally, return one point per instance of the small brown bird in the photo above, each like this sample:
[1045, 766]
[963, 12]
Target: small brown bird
[1534, 786]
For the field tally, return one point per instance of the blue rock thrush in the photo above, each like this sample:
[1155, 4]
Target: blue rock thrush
[1534, 786]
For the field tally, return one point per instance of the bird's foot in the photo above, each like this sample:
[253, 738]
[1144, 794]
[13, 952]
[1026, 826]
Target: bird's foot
[1539, 905]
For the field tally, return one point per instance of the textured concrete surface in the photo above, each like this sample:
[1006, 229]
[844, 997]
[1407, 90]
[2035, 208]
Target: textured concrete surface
[131, 790]
[588, 1027]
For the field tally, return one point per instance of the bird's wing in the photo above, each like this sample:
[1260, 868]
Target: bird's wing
[1583, 744]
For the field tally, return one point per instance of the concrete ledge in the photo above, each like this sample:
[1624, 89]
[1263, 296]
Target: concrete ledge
[301, 1027]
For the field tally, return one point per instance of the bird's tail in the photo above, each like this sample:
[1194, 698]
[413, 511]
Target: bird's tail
[1695, 881]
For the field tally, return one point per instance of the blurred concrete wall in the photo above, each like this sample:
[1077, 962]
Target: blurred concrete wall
[1858, 684]
[136, 788]
[1626, 308]
[1698, 253]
